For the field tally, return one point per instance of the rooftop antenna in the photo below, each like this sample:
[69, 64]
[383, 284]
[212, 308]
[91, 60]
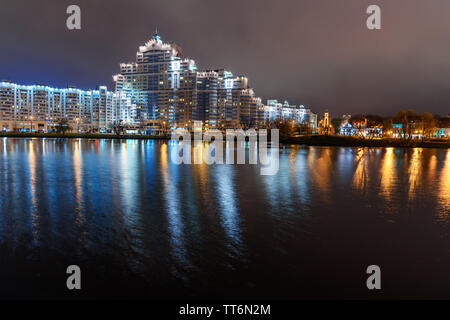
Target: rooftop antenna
[156, 35]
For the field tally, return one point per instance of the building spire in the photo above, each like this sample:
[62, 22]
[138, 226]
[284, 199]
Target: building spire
[156, 35]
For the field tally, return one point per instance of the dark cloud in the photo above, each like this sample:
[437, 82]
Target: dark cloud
[318, 53]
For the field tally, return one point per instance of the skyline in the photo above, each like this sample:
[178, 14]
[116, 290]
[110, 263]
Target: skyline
[316, 55]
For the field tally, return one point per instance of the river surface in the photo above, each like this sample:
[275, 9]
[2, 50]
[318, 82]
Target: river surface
[141, 226]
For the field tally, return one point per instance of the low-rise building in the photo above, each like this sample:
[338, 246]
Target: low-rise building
[275, 110]
[443, 127]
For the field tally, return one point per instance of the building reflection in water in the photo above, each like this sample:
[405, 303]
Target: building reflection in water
[300, 177]
[288, 192]
[320, 164]
[126, 160]
[35, 215]
[273, 189]
[170, 180]
[3, 182]
[77, 169]
[388, 174]
[282, 187]
[361, 175]
[225, 192]
[171, 222]
[444, 189]
[414, 172]
[130, 180]
[344, 164]
[432, 165]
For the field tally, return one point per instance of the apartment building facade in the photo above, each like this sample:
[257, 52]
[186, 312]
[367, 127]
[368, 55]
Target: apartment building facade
[275, 110]
[35, 108]
[168, 92]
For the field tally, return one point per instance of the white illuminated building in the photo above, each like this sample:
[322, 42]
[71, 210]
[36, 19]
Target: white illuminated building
[275, 110]
[160, 91]
[168, 92]
[160, 86]
[39, 108]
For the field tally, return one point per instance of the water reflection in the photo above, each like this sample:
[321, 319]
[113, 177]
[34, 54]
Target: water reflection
[77, 168]
[299, 177]
[35, 215]
[388, 174]
[432, 165]
[320, 166]
[361, 175]
[225, 191]
[123, 204]
[444, 188]
[127, 180]
[414, 172]
[171, 195]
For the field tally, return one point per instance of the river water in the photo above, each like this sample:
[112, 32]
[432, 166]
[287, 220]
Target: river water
[140, 226]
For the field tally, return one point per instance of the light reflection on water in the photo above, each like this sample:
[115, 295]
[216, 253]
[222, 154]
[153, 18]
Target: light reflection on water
[361, 176]
[35, 217]
[444, 189]
[171, 195]
[388, 174]
[228, 206]
[414, 171]
[126, 204]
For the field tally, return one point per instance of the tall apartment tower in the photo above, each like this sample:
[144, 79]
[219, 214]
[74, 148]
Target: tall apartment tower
[237, 105]
[160, 85]
[207, 99]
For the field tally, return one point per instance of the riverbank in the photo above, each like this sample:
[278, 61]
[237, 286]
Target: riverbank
[342, 141]
[310, 140]
[80, 136]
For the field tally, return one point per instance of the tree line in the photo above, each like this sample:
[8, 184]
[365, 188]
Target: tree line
[406, 123]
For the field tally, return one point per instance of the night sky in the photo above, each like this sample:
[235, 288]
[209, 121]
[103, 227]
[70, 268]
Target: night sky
[313, 52]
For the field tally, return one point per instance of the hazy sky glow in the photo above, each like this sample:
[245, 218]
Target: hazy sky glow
[317, 53]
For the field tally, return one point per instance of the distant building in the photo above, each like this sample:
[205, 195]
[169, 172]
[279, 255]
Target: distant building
[359, 127]
[346, 128]
[397, 130]
[325, 126]
[275, 110]
[443, 127]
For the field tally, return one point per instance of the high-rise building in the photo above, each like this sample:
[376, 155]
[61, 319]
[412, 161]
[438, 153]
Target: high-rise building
[225, 101]
[168, 92]
[207, 109]
[161, 85]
